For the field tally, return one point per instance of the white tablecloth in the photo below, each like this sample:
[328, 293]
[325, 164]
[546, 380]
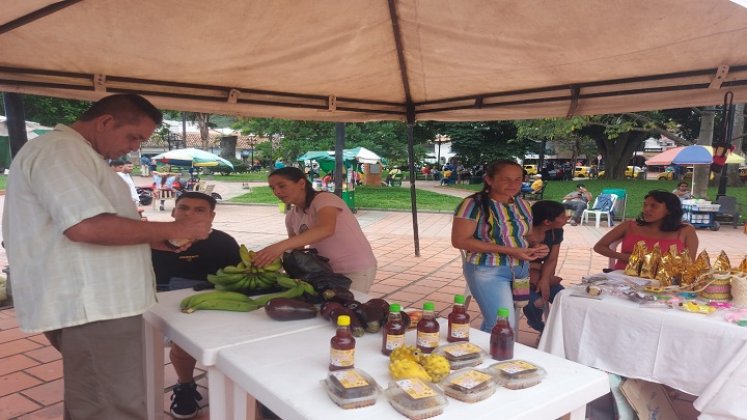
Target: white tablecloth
[698, 354]
[285, 373]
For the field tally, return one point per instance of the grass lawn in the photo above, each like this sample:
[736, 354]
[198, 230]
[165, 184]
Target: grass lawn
[3, 181]
[372, 198]
[636, 189]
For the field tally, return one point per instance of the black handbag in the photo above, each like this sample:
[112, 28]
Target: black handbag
[300, 262]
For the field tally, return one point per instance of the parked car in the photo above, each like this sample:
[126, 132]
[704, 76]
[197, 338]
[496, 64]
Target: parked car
[630, 172]
[531, 169]
[581, 172]
[668, 175]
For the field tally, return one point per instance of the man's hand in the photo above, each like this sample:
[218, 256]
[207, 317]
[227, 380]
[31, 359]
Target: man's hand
[193, 230]
[541, 250]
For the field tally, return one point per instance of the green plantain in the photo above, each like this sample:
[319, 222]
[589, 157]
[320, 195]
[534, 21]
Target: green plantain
[224, 305]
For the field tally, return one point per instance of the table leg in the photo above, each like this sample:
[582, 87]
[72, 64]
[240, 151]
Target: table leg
[579, 413]
[218, 394]
[153, 370]
[244, 405]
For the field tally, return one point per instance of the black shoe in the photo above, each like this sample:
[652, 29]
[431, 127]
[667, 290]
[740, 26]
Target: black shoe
[184, 401]
[161, 208]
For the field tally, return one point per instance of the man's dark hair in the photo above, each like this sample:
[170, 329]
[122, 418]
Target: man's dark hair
[126, 108]
[116, 162]
[580, 186]
[198, 196]
[546, 210]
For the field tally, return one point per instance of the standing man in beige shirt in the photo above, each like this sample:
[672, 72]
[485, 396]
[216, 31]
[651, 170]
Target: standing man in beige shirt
[80, 255]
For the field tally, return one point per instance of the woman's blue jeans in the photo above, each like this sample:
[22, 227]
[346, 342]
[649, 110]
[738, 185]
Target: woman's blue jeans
[491, 288]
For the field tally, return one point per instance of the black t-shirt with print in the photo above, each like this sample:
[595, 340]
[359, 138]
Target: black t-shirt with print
[202, 258]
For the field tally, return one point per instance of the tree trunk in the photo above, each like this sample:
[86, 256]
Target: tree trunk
[617, 152]
[228, 147]
[705, 137]
[203, 121]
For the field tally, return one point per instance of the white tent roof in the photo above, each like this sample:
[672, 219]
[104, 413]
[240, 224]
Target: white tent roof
[361, 60]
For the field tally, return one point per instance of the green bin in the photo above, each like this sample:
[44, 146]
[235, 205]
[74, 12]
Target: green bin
[349, 198]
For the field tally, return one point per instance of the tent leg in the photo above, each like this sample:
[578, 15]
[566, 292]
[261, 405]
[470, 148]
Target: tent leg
[339, 146]
[413, 194]
[16, 122]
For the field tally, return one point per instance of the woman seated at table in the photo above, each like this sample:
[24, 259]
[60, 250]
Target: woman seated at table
[660, 221]
[548, 218]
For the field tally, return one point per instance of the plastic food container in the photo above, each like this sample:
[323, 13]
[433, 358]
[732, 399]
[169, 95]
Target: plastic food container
[461, 354]
[469, 385]
[415, 398]
[517, 374]
[351, 388]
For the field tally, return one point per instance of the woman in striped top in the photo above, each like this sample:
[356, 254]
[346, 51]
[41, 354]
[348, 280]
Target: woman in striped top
[491, 227]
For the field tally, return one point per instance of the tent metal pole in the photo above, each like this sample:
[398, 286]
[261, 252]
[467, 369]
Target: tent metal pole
[339, 146]
[16, 121]
[413, 194]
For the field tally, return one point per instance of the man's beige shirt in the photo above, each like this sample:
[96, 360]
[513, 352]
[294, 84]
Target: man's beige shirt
[56, 181]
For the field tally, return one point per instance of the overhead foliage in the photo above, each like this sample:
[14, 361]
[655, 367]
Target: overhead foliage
[51, 111]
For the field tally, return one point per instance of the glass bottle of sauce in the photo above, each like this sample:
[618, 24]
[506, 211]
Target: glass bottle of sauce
[458, 321]
[502, 337]
[428, 329]
[394, 330]
[342, 346]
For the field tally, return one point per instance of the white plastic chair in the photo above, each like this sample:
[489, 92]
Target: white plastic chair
[598, 213]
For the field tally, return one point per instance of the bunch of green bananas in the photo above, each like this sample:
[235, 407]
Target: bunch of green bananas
[218, 300]
[245, 275]
[235, 301]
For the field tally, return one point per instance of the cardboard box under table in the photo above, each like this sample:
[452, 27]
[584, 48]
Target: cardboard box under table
[699, 354]
[285, 374]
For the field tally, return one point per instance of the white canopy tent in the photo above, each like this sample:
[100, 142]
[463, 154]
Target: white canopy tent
[362, 60]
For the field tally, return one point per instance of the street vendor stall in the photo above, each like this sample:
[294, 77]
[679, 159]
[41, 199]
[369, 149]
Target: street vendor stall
[703, 354]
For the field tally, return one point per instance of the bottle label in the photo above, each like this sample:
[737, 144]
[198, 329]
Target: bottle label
[427, 340]
[342, 358]
[394, 341]
[416, 388]
[460, 330]
[349, 378]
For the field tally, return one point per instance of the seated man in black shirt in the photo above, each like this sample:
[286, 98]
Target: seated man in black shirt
[183, 269]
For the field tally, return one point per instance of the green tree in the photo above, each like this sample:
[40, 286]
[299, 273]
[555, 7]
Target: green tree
[477, 142]
[51, 111]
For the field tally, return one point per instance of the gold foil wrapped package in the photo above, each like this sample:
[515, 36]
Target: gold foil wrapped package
[722, 263]
[703, 262]
[651, 263]
[743, 265]
[667, 271]
[636, 258]
[687, 273]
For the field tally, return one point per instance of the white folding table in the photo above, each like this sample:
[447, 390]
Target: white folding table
[202, 334]
[699, 354]
[284, 373]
